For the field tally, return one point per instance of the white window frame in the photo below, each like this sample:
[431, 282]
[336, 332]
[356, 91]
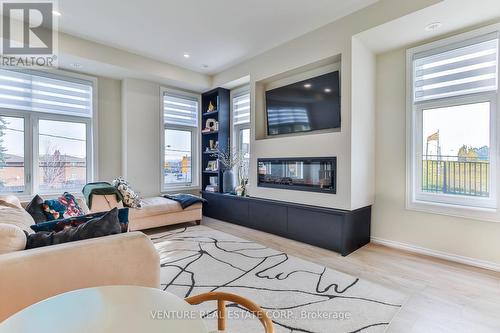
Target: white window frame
[452, 205]
[236, 129]
[195, 143]
[31, 142]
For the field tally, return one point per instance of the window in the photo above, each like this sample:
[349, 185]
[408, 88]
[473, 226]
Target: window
[453, 128]
[179, 143]
[45, 132]
[241, 126]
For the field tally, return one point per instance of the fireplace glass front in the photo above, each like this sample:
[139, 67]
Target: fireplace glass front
[303, 174]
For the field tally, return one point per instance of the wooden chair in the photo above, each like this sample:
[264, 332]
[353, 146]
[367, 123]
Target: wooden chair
[221, 298]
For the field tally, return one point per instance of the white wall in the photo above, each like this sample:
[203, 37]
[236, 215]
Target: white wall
[331, 40]
[390, 220]
[362, 126]
[109, 128]
[141, 135]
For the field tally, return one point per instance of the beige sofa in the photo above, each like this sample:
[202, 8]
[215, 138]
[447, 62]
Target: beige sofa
[154, 212]
[158, 211]
[29, 276]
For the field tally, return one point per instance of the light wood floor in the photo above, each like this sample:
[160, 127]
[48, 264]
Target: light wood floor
[442, 296]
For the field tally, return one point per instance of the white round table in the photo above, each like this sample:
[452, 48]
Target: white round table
[111, 309]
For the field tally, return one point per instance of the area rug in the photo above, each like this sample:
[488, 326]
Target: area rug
[298, 295]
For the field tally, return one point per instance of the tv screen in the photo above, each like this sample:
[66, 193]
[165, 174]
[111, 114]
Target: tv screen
[304, 106]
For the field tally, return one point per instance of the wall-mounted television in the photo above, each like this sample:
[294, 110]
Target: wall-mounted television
[308, 105]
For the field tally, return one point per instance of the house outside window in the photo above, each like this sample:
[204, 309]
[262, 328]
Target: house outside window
[453, 124]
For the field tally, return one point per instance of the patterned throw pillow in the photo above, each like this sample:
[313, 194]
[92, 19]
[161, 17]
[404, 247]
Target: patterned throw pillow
[62, 207]
[130, 197]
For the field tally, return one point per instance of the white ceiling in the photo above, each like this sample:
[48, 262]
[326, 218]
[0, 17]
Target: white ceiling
[452, 14]
[216, 33]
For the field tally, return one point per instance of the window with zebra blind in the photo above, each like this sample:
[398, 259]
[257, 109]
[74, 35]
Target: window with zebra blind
[452, 122]
[180, 117]
[46, 131]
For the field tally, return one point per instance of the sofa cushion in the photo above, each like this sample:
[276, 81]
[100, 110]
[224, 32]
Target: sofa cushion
[12, 238]
[12, 213]
[34, 208]
[104, 225]
[11, 200]
[158, 206]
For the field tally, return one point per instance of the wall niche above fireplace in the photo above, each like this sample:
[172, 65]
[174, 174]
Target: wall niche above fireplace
[314, 174]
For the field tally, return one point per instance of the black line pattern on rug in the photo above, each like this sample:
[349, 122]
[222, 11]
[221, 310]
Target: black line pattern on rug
[264, 269]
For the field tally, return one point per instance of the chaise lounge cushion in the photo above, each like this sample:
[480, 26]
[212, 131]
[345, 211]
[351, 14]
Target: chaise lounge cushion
[159, 206]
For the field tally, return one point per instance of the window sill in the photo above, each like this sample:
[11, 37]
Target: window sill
[171, 189]
[467, 212]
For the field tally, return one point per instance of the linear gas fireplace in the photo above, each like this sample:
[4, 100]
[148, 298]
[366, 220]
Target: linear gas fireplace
[317, 174]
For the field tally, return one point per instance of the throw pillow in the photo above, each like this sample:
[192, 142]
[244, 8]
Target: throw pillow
[11, 213]
[58, 225]
[11, 199]
[63, 207]
[130, 197]
[34, 208]
[12, 238]
[104, 225]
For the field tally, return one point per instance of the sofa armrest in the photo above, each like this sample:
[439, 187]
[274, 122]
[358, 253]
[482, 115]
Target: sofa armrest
[29, 276]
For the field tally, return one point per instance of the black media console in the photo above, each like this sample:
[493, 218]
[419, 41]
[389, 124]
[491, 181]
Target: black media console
[342, 231]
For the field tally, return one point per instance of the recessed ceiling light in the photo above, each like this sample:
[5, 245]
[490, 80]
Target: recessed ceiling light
[186, 55]
[56, 13]
[307, 85]
[76, 65]
[433, 26]
[327, 90]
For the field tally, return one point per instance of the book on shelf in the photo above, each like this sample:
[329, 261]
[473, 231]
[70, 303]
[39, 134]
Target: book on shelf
[212, 188]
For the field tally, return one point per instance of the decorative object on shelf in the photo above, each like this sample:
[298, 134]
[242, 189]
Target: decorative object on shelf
[213, 180]
[211, 107]
[213, 144]
[212, 125]
[212, 166]
[241, 190]
[230, 159]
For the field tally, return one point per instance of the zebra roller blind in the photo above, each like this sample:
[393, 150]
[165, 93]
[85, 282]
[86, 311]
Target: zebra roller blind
[241, 109]
[180, 111]
[459, 69]
[36, 92]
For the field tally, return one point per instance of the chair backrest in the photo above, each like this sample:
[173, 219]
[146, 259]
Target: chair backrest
[222, 297]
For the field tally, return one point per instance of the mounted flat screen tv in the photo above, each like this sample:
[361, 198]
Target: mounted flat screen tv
[304, 106]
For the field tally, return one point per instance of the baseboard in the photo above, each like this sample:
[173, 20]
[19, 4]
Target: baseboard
[437, 254]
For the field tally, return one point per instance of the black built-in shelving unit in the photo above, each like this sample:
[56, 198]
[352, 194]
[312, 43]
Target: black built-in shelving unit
[220, 99]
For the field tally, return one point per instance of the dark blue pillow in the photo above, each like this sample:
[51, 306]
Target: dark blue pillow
[58, 225]
[104, 225]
